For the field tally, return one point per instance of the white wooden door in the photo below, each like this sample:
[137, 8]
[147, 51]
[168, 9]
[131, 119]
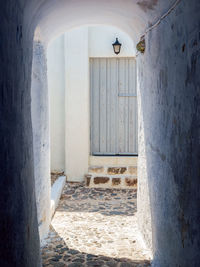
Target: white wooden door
[113, 106]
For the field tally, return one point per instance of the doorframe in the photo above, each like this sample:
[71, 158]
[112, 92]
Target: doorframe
[107, 154]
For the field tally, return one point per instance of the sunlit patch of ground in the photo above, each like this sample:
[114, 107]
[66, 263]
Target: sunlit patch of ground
[95, 227]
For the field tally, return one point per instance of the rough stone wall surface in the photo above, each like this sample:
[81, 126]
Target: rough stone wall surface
[40, 124]
[19, 239]
[56, 88]
[170, 112]
[143, 202]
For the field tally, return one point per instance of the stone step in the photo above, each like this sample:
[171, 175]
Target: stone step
[113, 170]
[113, 161]
[111, 181]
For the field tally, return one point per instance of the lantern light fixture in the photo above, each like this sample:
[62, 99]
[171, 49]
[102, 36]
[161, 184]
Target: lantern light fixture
[117, 46]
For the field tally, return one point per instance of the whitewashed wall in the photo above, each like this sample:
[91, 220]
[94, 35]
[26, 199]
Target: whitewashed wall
[56, 84]
[101, 39]
[68, 81]
[41, 143]
[76, 104]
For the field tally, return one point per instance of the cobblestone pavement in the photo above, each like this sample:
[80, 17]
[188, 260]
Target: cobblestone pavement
[95, 227]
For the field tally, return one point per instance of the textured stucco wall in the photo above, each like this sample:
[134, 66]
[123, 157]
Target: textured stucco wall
[40, 124]
[56, 88]
[143, 201]
[169, 95]
[76, 104]
[19, 239]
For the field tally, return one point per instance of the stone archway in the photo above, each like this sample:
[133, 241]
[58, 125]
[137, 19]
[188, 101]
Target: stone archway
[169, 84]
[41, 139]
[42, 38]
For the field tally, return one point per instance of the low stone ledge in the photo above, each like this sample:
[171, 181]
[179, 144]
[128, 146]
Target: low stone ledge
[116, 181]
[129, 181]
[96, 169]
[116, 170]
[55, 175]
[56, 191]
[132, 170]
[101, 180]
[88, 179]
[111, 181]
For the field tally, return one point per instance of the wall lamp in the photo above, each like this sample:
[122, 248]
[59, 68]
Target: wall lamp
[116, 46]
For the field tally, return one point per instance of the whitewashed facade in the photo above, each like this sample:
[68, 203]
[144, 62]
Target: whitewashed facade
[69, 74]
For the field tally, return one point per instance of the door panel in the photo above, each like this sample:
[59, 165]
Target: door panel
[113, 106]
[103, 104]
[94, 106]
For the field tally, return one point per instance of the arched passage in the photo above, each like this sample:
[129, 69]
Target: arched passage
[170, 112]
[52, 20]
[41, 125]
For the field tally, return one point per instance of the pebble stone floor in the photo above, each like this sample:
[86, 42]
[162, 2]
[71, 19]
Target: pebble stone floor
[95, 227]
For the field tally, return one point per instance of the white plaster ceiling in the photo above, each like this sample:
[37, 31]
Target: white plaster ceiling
[54, 17]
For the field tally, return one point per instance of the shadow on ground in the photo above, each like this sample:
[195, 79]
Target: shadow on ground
[94, 227]
[59, 254]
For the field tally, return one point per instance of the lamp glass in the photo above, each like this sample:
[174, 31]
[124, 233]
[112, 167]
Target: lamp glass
[116, 46]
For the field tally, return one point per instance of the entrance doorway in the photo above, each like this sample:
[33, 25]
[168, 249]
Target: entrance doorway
[113, 102]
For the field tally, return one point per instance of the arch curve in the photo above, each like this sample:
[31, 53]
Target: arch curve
[56, 17]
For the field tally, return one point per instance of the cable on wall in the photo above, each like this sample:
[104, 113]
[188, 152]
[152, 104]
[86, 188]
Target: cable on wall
[141, 45]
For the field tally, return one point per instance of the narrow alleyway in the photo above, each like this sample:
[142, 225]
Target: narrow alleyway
[95, 227]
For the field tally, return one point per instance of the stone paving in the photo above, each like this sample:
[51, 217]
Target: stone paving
[95, 227]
